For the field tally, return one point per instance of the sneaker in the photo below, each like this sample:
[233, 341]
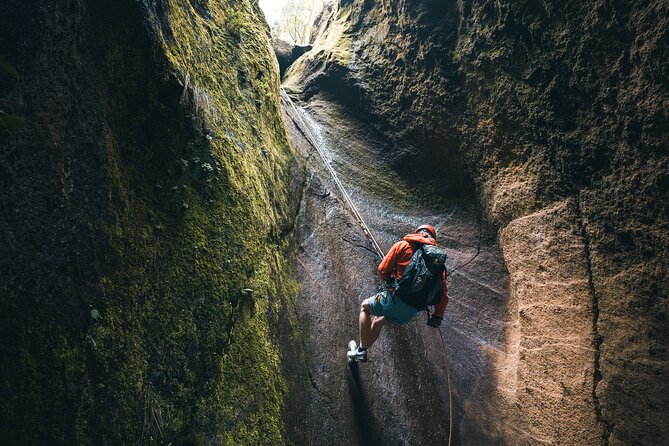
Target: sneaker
[357, 354]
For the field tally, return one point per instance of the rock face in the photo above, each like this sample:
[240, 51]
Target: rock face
[142, 281]
[148, 191]
[549, 373]
[286, 53]
[400, 397]
[555, 117]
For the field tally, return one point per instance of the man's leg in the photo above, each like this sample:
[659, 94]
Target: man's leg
[370, 326]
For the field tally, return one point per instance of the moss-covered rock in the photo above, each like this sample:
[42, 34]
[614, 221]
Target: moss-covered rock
[146, 213]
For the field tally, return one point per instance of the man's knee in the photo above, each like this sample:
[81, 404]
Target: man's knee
[364, 308]
[379, 321]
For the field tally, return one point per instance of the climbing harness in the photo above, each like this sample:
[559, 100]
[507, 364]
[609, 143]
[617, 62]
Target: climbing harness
[306, 132]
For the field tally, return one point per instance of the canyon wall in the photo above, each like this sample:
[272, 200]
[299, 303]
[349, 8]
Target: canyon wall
[143, 278]
[555, 117]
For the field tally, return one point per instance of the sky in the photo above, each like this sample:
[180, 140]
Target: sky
[272, 9]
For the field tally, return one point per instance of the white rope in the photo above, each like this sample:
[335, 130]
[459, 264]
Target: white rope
[304, 128]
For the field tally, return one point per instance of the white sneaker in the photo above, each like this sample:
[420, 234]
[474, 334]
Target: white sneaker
[355, 354]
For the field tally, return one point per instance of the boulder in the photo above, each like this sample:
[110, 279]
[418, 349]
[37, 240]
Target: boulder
[286, 53]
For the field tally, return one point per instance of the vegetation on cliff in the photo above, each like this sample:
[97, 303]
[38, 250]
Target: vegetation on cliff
[147, 203]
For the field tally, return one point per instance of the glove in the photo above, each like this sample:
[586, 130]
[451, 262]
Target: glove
[434, 321]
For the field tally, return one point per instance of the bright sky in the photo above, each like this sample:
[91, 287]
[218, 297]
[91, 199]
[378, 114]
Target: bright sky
[272, 9]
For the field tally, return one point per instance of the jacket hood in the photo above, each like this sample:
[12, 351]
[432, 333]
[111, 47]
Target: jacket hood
[419, 238]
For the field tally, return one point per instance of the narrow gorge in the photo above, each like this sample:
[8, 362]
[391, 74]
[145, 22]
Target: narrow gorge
[180, 266]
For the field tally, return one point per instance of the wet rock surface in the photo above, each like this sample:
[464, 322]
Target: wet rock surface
[401, 395]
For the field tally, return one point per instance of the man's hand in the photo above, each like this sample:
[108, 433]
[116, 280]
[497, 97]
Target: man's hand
[434, 321]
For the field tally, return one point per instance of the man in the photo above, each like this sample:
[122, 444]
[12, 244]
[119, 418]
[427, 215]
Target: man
[383, 308]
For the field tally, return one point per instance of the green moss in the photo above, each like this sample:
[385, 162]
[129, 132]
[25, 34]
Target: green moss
[160, 343]
[182, 354]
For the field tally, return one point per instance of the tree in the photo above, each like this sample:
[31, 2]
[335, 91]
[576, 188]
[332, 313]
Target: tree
[296, 21]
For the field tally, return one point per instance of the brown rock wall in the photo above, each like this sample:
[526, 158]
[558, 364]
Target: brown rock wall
[549, 280]
[557, 114]
[631, 289]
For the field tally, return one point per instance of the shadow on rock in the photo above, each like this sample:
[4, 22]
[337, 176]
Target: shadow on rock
[365, 425]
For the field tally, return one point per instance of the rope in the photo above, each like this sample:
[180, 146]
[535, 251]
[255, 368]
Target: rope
[310, 138]
[450, 394]
[478, 249]
[306, 132]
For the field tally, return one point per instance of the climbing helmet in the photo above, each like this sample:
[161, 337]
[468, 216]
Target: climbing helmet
[429, 229]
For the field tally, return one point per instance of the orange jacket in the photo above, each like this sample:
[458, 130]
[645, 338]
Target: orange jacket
[397, 259]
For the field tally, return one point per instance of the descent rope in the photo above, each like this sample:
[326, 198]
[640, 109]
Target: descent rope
[306, 132]
[450, 394]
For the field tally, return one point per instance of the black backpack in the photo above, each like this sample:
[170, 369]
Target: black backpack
[421, 284]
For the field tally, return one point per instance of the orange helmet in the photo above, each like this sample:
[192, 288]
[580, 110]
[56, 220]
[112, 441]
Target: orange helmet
[429, 229]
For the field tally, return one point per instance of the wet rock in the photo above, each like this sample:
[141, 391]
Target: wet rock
[402, 395]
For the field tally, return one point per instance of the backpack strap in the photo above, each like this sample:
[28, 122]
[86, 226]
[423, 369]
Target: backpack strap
[393, 285]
